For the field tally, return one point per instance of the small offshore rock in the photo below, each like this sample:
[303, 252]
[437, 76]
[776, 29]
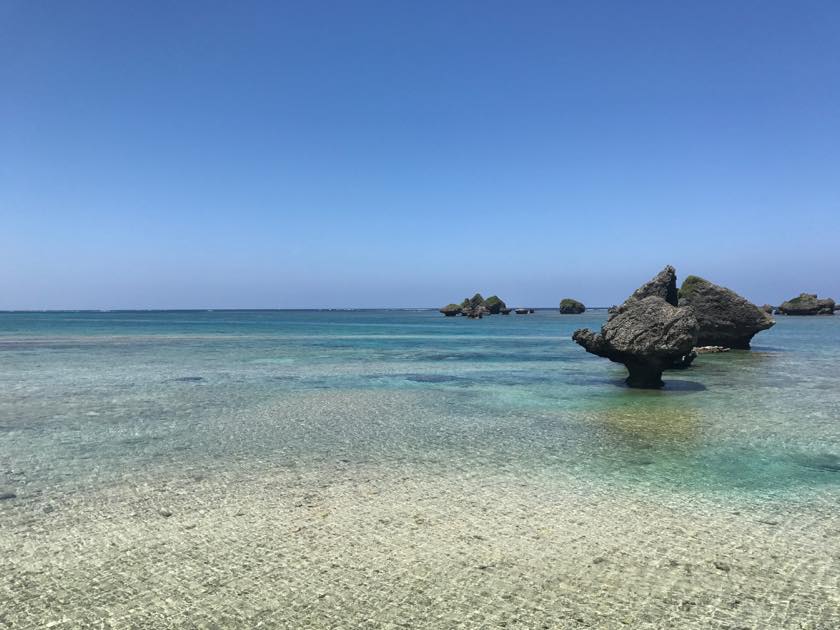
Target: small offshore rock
[568, 306]
[521, 311]
[451, 310]
[494, 304]
[808, 304]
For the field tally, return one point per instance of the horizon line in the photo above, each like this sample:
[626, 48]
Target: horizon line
[245, 309]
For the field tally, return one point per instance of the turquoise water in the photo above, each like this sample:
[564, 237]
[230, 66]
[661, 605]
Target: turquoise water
[89, 399]
[396, 469]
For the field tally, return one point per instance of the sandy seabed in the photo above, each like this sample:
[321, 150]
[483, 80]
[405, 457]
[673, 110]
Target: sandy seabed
[346, 544]
[392, 470]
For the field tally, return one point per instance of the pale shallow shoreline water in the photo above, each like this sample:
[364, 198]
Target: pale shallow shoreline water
[396, 469]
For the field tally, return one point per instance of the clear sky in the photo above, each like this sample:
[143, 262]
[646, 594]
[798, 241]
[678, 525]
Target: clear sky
[394, 153]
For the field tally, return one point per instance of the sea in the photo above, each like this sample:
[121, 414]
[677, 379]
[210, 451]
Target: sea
[401, 469]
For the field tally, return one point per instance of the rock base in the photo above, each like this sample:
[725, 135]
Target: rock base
[710, 349]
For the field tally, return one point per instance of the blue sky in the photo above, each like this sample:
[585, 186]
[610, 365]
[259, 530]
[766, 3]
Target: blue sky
[361, 154]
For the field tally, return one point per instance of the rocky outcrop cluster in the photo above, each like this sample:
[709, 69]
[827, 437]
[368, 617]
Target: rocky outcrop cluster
[477, 307]
[648, 333]
[568, 306]
[808, 304]
[725, 318]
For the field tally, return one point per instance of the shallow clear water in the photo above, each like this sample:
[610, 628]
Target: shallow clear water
[87, 397]
[98, 410]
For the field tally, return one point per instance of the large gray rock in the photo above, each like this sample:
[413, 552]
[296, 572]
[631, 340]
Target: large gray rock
[648, 333]
[808, 304]
[648, 337]
[662, 285]
[725, 318]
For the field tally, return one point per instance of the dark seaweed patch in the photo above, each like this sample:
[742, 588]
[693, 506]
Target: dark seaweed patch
[824, 462]
[431, 378]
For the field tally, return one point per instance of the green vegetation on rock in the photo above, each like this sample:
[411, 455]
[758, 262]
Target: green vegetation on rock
[476, 300]
[689, 284]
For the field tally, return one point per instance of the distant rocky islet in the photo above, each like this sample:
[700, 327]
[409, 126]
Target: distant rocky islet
[568, 306]
[808, 304]
[477, 307]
